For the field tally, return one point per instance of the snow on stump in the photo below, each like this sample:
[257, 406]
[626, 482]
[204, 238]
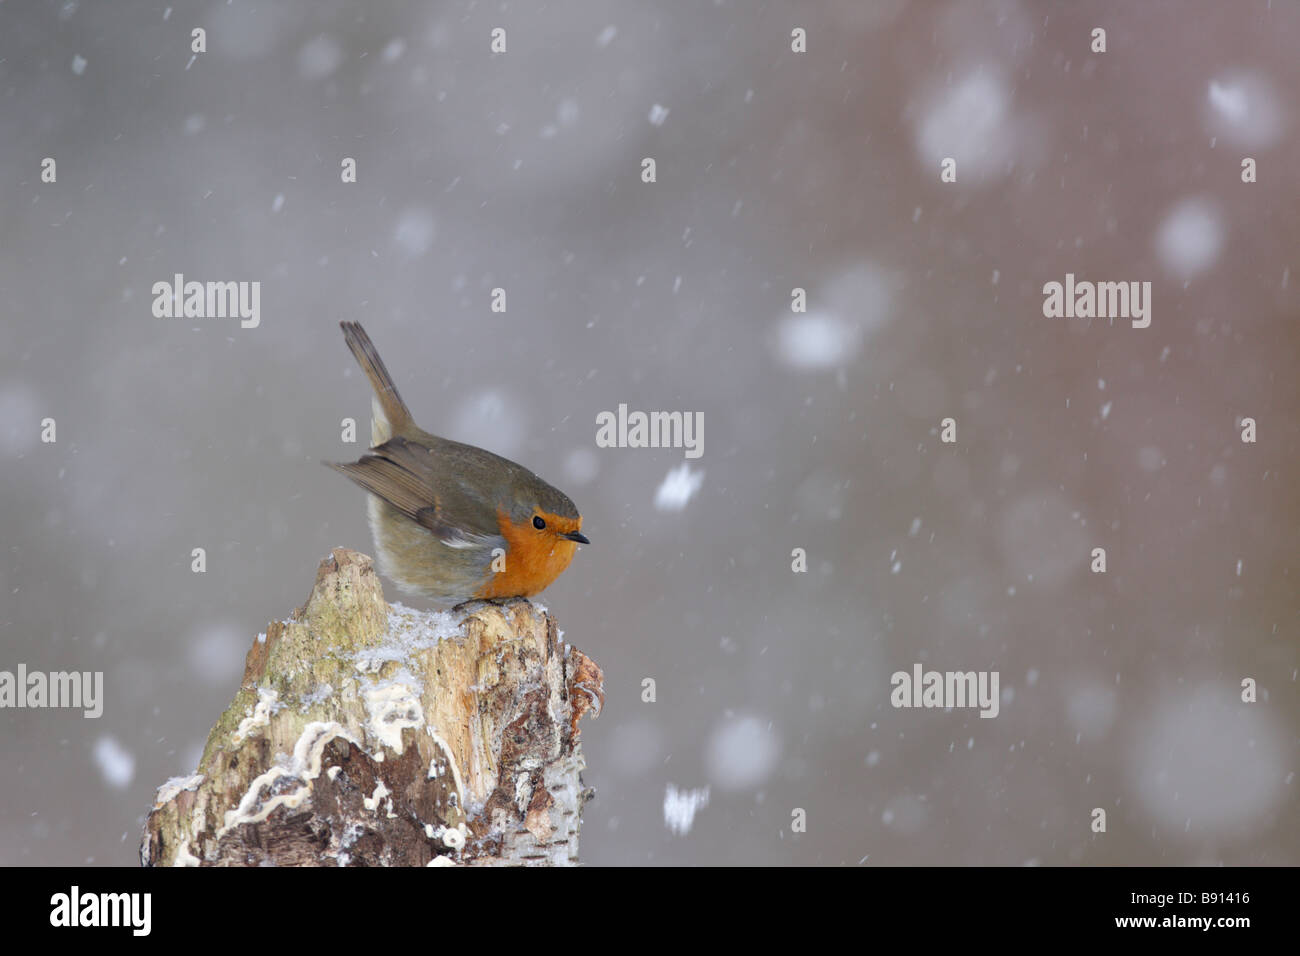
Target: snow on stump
[373, 735]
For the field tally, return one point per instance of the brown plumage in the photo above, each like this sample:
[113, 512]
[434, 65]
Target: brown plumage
[450, 521]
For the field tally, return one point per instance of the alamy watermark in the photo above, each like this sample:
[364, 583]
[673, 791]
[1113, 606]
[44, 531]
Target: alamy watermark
[946, 689]
[1099, 300]
[38, 689]
[179, 299]
[75, 908]
[635, 429]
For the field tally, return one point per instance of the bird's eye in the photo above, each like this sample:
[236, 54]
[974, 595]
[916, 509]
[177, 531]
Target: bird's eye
[538, 523]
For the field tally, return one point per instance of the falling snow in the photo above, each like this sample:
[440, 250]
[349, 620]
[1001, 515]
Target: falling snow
[681, 806]
[800, 274]
[678, 488]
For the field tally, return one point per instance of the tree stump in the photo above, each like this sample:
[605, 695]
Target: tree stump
[366, 734]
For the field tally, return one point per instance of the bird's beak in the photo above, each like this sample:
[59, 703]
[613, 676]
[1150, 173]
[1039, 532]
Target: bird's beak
[577, 536]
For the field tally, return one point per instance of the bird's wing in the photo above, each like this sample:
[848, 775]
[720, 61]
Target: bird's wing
[402, 473]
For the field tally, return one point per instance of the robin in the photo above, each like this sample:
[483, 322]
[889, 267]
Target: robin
[452, 522]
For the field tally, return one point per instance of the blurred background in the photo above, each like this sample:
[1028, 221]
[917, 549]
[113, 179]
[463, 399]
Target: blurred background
[775, 170]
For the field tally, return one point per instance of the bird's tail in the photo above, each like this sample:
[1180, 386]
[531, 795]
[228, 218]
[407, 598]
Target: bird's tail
[391, 416]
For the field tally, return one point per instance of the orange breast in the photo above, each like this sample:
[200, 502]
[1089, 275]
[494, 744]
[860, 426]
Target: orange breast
[533, 560]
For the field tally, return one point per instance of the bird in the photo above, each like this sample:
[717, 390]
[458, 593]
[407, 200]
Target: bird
[452, 522]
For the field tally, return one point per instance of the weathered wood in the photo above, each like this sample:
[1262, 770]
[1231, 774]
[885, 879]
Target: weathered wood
[365, 734]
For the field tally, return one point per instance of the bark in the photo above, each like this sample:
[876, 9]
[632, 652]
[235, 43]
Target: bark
[366, 734]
